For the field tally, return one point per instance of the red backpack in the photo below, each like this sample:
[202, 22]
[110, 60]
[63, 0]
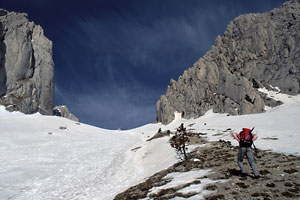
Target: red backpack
[246, 137]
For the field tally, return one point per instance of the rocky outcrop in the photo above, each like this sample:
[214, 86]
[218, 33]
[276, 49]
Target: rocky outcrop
[279, 176]
[257, 50]
[26, 65]
[63, 111]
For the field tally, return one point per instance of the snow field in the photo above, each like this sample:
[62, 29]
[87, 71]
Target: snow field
[39, 159]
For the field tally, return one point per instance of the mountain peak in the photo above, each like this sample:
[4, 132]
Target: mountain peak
[256, 51]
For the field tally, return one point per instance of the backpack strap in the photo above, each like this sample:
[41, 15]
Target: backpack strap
[251, 136]
[248, 136]
[250, 133]
[241, 133]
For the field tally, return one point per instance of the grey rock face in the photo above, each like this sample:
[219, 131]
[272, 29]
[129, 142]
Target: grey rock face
[63, 111]
[257, 50]
[26, 65]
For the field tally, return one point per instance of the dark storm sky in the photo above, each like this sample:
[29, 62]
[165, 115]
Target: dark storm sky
[115, 58]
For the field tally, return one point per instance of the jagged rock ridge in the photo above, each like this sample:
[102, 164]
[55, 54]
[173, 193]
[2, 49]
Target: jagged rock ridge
[257, 50]
[26, 65]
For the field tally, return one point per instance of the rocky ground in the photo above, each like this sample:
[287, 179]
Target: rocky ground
[279, 175]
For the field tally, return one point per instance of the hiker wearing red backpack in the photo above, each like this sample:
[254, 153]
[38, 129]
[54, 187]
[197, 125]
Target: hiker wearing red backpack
[245, 139]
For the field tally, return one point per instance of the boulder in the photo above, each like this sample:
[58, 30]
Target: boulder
[63, 111]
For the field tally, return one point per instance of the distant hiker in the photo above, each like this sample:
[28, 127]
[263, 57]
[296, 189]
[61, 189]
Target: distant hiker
[245, 139]
[181, 128]
[159, 130]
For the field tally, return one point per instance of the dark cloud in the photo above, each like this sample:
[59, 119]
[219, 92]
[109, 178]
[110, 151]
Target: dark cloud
[115, 58]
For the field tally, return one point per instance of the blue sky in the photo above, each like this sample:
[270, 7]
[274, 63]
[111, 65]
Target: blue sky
[115, 58]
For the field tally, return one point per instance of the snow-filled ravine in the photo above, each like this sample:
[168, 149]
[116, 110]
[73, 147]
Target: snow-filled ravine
[47, 157]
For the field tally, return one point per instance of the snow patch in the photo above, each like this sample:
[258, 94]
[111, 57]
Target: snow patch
[287, 100]
[178, 116]
[182, 178]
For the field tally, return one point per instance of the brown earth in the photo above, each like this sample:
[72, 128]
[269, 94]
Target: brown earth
[279, 175]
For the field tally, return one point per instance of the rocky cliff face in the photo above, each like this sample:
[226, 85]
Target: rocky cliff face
[26, 65]
[257, 50]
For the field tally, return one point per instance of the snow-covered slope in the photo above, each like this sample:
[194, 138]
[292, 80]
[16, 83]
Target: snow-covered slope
[278, 128]
[47, 157]
[43, 157]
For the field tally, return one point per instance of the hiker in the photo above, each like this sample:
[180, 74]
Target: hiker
[245, 139]
[181, 128]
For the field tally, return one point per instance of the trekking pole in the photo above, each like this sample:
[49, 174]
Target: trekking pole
[255, 149]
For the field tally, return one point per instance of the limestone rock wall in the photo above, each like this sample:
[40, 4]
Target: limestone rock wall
[256, 50]
[26, 65]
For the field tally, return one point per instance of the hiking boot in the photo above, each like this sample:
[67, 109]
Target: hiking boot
[256, 177]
